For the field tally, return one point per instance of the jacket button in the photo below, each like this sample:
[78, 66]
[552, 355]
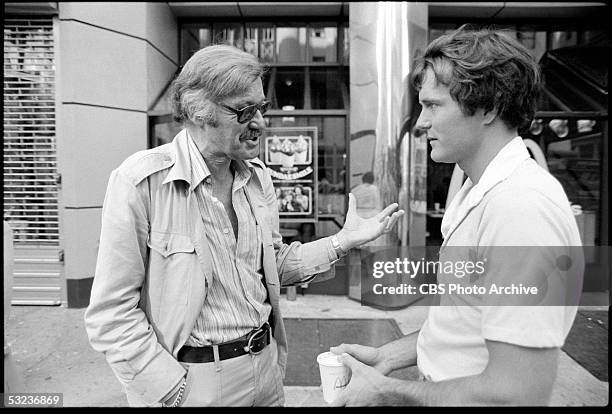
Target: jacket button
[225, 231]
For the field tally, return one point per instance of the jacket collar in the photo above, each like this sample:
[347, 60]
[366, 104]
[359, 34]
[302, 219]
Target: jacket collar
[499, 169]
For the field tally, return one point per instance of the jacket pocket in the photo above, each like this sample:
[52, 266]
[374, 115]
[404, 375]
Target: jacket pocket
[167, 244]
[172, 265]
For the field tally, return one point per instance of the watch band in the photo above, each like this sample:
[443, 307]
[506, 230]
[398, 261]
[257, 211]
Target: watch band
[336, 246]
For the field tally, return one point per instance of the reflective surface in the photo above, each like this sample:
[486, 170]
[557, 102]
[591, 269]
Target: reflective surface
[289, 88]
[290, 44]
[322, 44]
[325, 89]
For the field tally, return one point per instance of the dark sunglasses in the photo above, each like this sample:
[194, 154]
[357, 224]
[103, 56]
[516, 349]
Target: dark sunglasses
[248, 112]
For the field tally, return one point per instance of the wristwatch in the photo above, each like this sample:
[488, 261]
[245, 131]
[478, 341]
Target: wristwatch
[336, 245]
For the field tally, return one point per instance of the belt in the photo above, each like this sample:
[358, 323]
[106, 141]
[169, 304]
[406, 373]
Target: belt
[252, 343]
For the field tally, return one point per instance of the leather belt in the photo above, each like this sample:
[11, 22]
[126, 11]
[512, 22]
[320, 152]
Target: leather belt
[252, 343]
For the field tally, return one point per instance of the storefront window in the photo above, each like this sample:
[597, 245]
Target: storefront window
[576, 163]
[251, 40]
[322, 44]
[532, 39]
[289, 88]
[346, 49]
[325, 84]
[594, 36]
[259, 41]
[290, 44]
[563, 39]
[229, 34]
[332, 165]
[194, 38]
[331, 148]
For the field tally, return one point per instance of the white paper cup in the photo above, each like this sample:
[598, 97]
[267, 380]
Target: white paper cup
[334, 375]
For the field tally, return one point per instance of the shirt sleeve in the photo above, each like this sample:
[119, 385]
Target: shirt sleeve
[524, 242]
[297, 262]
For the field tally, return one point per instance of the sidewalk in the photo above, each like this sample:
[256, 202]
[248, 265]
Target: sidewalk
[51, 348]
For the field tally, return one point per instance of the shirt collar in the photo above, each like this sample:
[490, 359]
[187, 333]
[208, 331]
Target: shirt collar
[470, 194]
[243, 172]
[199, 169]
[500, 167]
[200, 172]
[189, 165]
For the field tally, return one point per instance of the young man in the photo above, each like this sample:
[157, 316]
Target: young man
[185, 300]
[476, 89]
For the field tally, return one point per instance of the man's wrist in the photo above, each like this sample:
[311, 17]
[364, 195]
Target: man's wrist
[344, 242]
[402, 393]
[337, 247]
[385, 367]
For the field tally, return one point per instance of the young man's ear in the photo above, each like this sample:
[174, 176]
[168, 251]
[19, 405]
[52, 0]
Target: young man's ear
[489, 116]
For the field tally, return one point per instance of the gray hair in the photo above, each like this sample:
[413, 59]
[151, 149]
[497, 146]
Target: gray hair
[212, 74]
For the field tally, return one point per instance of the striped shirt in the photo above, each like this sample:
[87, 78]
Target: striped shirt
[236, 301]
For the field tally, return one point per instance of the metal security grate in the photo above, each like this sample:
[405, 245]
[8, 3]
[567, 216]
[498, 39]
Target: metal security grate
[30, 170]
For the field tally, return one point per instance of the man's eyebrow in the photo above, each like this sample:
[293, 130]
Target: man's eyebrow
[246, 102]
[429, 100]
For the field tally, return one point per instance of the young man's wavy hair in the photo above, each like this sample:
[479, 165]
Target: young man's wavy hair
[484, 69]
[211, 75]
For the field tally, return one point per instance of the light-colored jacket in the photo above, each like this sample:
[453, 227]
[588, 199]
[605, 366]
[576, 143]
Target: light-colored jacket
[154, 265]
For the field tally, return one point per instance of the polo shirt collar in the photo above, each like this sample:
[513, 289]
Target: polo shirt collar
[500, 167]
[470, 195]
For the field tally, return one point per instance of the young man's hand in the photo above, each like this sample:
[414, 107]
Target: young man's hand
[366, 354]
[366, 387]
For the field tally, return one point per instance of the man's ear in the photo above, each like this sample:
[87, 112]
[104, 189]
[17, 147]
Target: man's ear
[489, 116]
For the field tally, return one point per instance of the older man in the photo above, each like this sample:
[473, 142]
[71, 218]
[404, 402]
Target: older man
[476, 89]
[185, 300]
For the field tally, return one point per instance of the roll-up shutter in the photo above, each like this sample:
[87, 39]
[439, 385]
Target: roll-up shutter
[30, 172]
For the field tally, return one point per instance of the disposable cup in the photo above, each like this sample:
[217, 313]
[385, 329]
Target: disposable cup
[334, 375]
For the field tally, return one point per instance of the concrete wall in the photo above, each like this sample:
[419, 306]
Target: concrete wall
[113, 60]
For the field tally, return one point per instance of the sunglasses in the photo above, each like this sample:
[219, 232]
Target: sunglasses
[248, 112]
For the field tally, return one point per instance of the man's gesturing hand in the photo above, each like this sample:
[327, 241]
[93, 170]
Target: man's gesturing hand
[357, 230]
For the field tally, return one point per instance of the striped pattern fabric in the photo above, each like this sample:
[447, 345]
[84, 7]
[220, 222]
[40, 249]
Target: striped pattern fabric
[235, 302]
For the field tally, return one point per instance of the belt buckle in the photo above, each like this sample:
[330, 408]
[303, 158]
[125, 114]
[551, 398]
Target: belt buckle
[249, 346]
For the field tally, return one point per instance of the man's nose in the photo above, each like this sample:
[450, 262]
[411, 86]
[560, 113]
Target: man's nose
[258, 121]
[423, 124]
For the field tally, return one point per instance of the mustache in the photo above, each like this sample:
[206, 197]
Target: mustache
[251, 133]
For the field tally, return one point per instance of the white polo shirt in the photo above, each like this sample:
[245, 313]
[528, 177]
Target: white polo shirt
[515, 203]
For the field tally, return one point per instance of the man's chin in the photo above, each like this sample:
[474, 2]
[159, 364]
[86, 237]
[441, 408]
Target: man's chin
[248, 154]
[441, 158]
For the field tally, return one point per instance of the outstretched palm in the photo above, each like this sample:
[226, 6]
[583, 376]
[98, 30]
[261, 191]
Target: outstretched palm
[358, 230]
